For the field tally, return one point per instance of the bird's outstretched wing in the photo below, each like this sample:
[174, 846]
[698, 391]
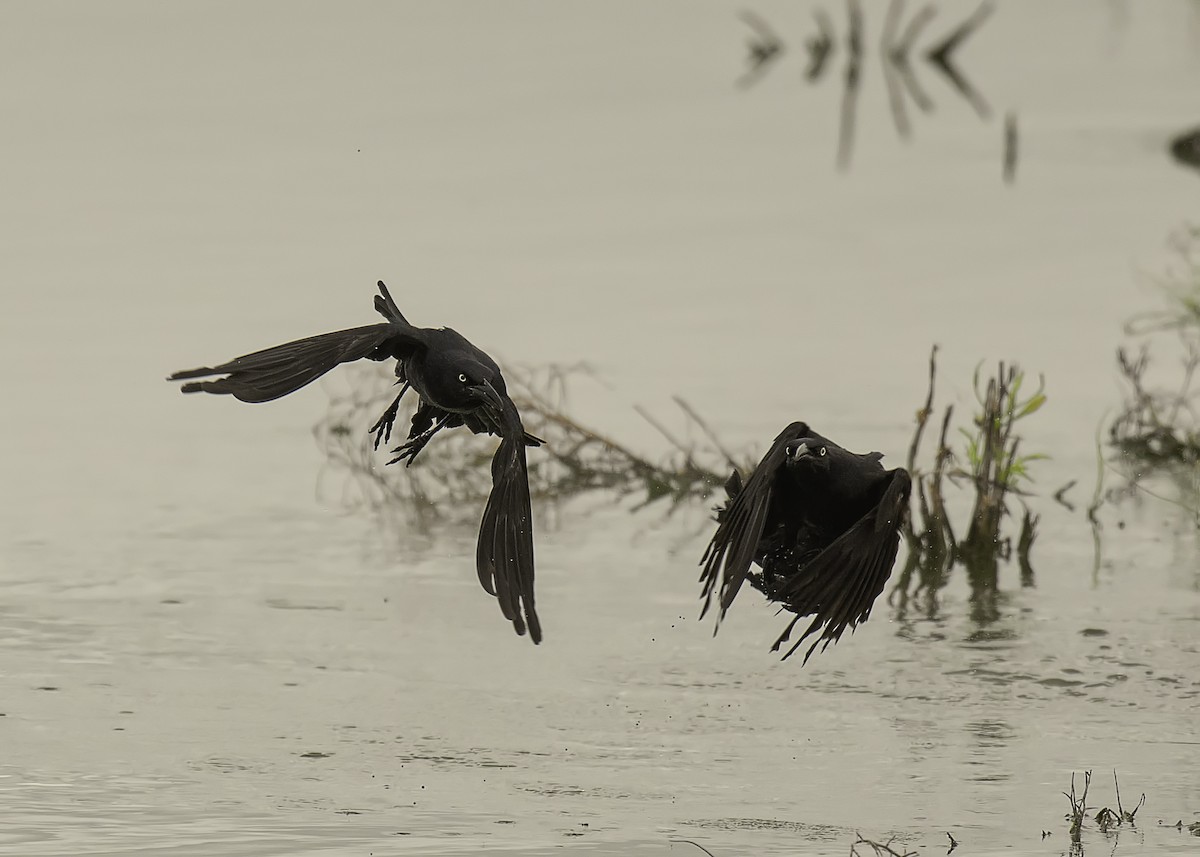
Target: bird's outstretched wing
[839, 586]
[504, 553]
[274, 372]
[733, 546]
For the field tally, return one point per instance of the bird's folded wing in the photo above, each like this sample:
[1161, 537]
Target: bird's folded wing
[840, 585]
[733, 546]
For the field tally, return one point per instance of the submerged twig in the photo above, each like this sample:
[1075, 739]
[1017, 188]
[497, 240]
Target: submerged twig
[923, 414]
[1078, 805]
[690, 842]
[878, 848]
[1060, 496]
[1126, 816]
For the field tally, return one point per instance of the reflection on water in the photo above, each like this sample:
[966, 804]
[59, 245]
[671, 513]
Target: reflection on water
[991, 738]
[917, 585]
[766, 48]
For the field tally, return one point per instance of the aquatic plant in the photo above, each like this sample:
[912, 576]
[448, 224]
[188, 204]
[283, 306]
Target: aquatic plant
[1105, 818]
[1159, 426]
[1156, 433]
[992, 464]
[1078, 806]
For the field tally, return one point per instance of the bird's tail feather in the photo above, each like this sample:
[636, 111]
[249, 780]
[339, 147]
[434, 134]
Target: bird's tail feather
[504, 555]
[274, 372]
[386, 307]
[838, 588]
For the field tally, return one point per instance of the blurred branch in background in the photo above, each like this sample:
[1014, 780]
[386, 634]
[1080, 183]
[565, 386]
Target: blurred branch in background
[454, 473]
[1157, 426]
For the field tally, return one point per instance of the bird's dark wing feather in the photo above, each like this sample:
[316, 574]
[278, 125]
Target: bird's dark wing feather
[274, 372]
[839, 586]
[504, 553]
[733, 546]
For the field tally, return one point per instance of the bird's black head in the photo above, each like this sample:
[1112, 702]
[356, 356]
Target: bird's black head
[475, 386]
[816, 463]
[811, 453]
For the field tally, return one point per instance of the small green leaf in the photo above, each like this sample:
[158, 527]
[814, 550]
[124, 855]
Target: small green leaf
[1032, 405]
[1015, 388]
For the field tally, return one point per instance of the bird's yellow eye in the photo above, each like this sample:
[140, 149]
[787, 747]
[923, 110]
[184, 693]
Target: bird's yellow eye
[821, 451]
[462, 378]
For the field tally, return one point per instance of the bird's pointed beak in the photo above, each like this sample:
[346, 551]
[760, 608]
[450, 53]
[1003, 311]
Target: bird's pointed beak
[795, 453]
[491, 399]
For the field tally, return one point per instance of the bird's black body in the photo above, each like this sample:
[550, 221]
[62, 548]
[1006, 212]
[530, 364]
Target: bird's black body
[458, 384]
[822, 523]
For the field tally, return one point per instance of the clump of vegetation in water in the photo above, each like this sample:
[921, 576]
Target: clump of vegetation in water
[1105, 818]
[995, 468]
[1159, 426]
[1156, 433]
[1078, 807]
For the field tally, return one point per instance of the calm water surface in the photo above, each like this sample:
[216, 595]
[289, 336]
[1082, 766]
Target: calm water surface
[202, 654]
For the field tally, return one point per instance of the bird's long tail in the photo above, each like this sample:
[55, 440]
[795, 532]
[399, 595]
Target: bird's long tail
[273, 372]
[504, 554]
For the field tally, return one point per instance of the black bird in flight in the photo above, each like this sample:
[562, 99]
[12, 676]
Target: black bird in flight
[458, 385]
[822, 523]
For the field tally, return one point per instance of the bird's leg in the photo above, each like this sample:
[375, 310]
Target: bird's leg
[383, 426]
[411, 447]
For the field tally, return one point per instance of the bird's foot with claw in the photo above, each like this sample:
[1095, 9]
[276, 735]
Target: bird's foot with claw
[410, 448]
[383, 426]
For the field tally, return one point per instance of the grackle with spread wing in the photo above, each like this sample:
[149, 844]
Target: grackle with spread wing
[822, 523]
[458, 385]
